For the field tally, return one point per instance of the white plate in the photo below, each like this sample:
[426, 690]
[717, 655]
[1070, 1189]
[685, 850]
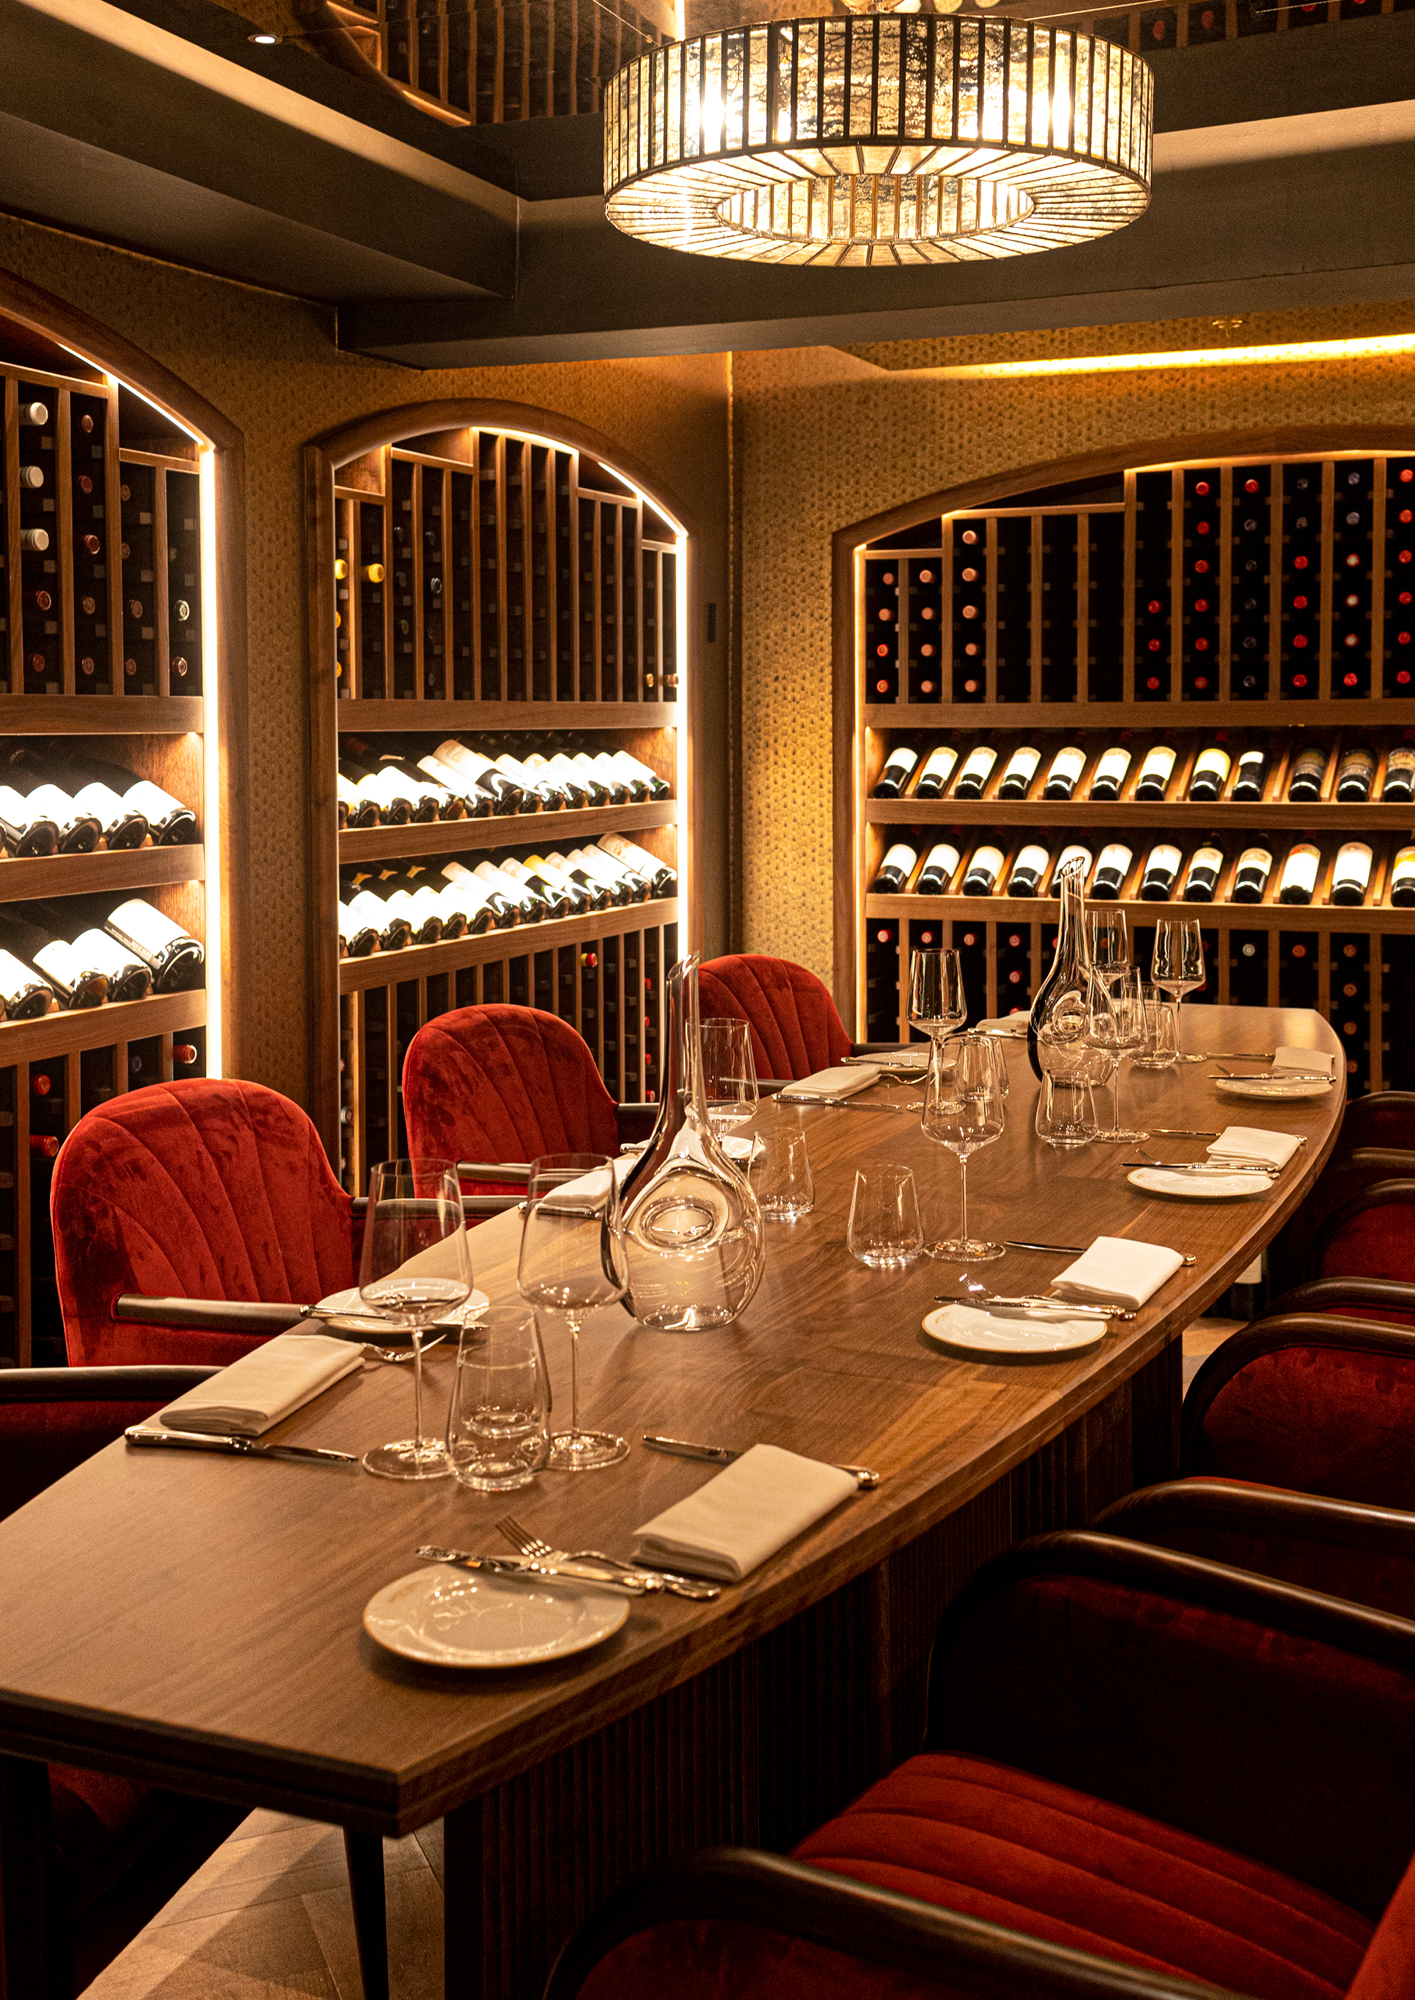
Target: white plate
[453, 1617]
[365, 1325]
[1200, 1187]
[1261, 1088]
[969, 1330]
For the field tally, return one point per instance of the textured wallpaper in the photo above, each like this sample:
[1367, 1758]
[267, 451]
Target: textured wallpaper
[824, 438]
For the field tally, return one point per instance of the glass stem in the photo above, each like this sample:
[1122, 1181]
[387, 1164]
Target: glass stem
[574, 1325]
[1174, 1001]
[1115, 1101]
[963, 1199]
[418, 1390]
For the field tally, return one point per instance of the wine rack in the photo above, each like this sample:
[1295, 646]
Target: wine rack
[491, 574]
[1203, 606]
[108, 508]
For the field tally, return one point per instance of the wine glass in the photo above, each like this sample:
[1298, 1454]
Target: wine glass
[1178, 965]
[414, 1270]
[729, 1073]
[937, 1002]
[571, 1262]
[963, 1110]
[1119, 1029]
[1108, 940]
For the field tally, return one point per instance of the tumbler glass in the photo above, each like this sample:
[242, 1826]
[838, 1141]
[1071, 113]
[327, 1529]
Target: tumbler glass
[885, 1230]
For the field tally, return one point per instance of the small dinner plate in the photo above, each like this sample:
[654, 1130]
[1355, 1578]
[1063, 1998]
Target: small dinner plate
[1200, 1187]
[450, 1617]
[968, 1329]
[1261, 1088]
[364, 1325]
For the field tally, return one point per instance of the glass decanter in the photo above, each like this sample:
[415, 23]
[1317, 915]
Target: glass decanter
[690, 1225]
[1064, 996]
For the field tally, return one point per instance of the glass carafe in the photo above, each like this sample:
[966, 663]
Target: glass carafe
[689, 1222]
[1059, 1010]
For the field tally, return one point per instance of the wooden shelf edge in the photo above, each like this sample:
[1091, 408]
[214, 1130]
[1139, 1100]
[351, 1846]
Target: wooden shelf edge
[387, 843]
[1378, 711]
[91, 874]
[101, 715]
[1225, 916]
[419, 961]
[71, 1030]
[372, 716]
[1211, 816]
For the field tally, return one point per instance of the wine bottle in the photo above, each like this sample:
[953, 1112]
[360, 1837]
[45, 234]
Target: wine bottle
[174, 957]
[1156, 772]
[1028, 869]
[1066, 767]
[170, 822]
[1355, 774]
[36, 414]
[1299, 874]
[128, 977]
[894, 871]
[977, 769]
[1161, 868]
[37, 539]
[658, 788]
[1205, 866]
[1020, 770]
[531, 906]
[470, 766]
[938, 769]
[76, 980]
[626, 884]
[392, 796]
[409, 893]
[1210, 773]
[555, 871]
[504, 908]
[564, 786]
[24, 993]
[661, 878]
[1250, 877]
[356, 808]
[430, 799]
[26, 831]
[77, 831]
[1252, 776]
[1402, 878]
[616, 785]
[1399, 782]
[1112, 769]
[546, 791]
[554, 895]
[898, 770]
[1351, 874]
[60, 923]
[1307, 774]
[393, 928]
[1072, 855]
[984, 867]
[1111, 871]
[472, 898]
[357, 937]
[940, 867]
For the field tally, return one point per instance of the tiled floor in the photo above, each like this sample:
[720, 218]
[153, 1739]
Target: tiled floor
[268, 1917]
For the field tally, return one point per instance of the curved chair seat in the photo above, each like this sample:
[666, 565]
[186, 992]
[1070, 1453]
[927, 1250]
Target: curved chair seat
[796, 1028]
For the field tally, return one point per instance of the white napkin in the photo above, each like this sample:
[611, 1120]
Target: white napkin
[1004, 1024]
[263, 1386]
[1252, 1142]
[1308, 1059]
[753, 1508]
[832, 1082]
[1117, 1272]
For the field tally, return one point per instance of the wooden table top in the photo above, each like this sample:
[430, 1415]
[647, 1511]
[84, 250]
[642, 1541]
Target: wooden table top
[196, 1620]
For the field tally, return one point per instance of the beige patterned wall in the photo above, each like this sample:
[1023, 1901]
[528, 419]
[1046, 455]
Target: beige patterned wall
[824, 438]
[270, 365]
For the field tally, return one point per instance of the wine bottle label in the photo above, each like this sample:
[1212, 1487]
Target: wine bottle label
[1031, 864]
[899, 861]
[1021, 768]
[103, 804]
[941, 862]
[1213, 766]
[1354, 774]
[1115, 860]
[1158, 766]
[1163, 861]
[1353, 867]
[148, 932]
[1067, 858]
[939, 766]
[1307, 773]
[977, 766]
[1111, 769]
[18, 983]
[1299, 872]
[898, 766]
[1067, 765]
[504, 885]
[1402, 876]
[1252, 769]
[128, 978]
[985, 866]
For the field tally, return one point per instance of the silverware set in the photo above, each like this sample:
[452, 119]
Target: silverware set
[1026, 1302]
[721, 1454]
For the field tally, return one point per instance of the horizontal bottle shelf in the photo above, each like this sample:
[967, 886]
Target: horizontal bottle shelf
[372, 716]
[95, 874]
[420, 961]
[1272, 712]
[101, 715]
[71, 1030]
[1204, 814]
[1312, 916]
[453, 836]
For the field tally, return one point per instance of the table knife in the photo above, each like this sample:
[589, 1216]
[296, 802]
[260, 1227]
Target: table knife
[637, 1583]
[719, 1454]
[1026, 1302]
[235, 1447]
[1062, 1249]
[853, 1103]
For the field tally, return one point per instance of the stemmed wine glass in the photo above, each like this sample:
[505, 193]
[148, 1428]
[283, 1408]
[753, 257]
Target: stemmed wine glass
[963, 1110]
[1108, 941]
[571, 1262]
[1118, 1028]
[1178, 965]
[729, 1073]
[937, 1002]
[415, 1269]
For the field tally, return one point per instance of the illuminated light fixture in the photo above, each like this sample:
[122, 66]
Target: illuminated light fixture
[1363, 347]
[266, 41]
[879, 138]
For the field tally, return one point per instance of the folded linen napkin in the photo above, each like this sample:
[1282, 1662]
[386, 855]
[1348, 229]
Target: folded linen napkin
[1252, 1142]
[1288, 1057]
[832, 1082]
[265, 1385]
[756, 1506]
[1117, 1272]
[1004, 1024]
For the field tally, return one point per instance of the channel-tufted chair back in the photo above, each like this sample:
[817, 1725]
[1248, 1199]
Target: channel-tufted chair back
[195, 1189]
[502, 1083]
[796, 1029]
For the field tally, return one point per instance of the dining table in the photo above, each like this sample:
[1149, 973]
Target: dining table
[194, 1620]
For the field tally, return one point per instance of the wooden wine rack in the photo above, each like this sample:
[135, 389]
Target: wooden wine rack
[1072, 571]
[529, 584]
[120, 661]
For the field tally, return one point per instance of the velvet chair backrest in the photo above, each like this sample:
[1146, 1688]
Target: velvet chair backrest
[196, 1189]
[1372, 1236]
[796, 1029]
[1383, 1118]
[1388, 1969]
[52, 1419]
[504, 1083]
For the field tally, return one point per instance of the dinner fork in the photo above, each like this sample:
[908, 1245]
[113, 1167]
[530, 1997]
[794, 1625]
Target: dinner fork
[541, 1551]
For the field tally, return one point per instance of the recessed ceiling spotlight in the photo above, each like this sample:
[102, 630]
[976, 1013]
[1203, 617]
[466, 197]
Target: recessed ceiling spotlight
[265, 40]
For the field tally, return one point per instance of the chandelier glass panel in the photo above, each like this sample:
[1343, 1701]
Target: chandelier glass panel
[878, 139]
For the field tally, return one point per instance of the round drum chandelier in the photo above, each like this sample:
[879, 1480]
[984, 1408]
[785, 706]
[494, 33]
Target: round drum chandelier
[880, 139]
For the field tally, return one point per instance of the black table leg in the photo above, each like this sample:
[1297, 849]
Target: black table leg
[34, 1955]
[364, 1853]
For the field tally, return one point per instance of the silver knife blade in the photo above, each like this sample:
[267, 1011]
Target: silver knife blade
[1062, 1249]
[637, 1585]
[718, 1454]
[234, 1447]
[1025, 1302]
[851, 1104]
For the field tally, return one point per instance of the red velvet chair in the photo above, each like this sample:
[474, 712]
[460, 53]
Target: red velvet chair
[796, 1028]
[1144, 1776]
[496, 1086]
[197, 1189]
[105, 1852]
[1346, 1177]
